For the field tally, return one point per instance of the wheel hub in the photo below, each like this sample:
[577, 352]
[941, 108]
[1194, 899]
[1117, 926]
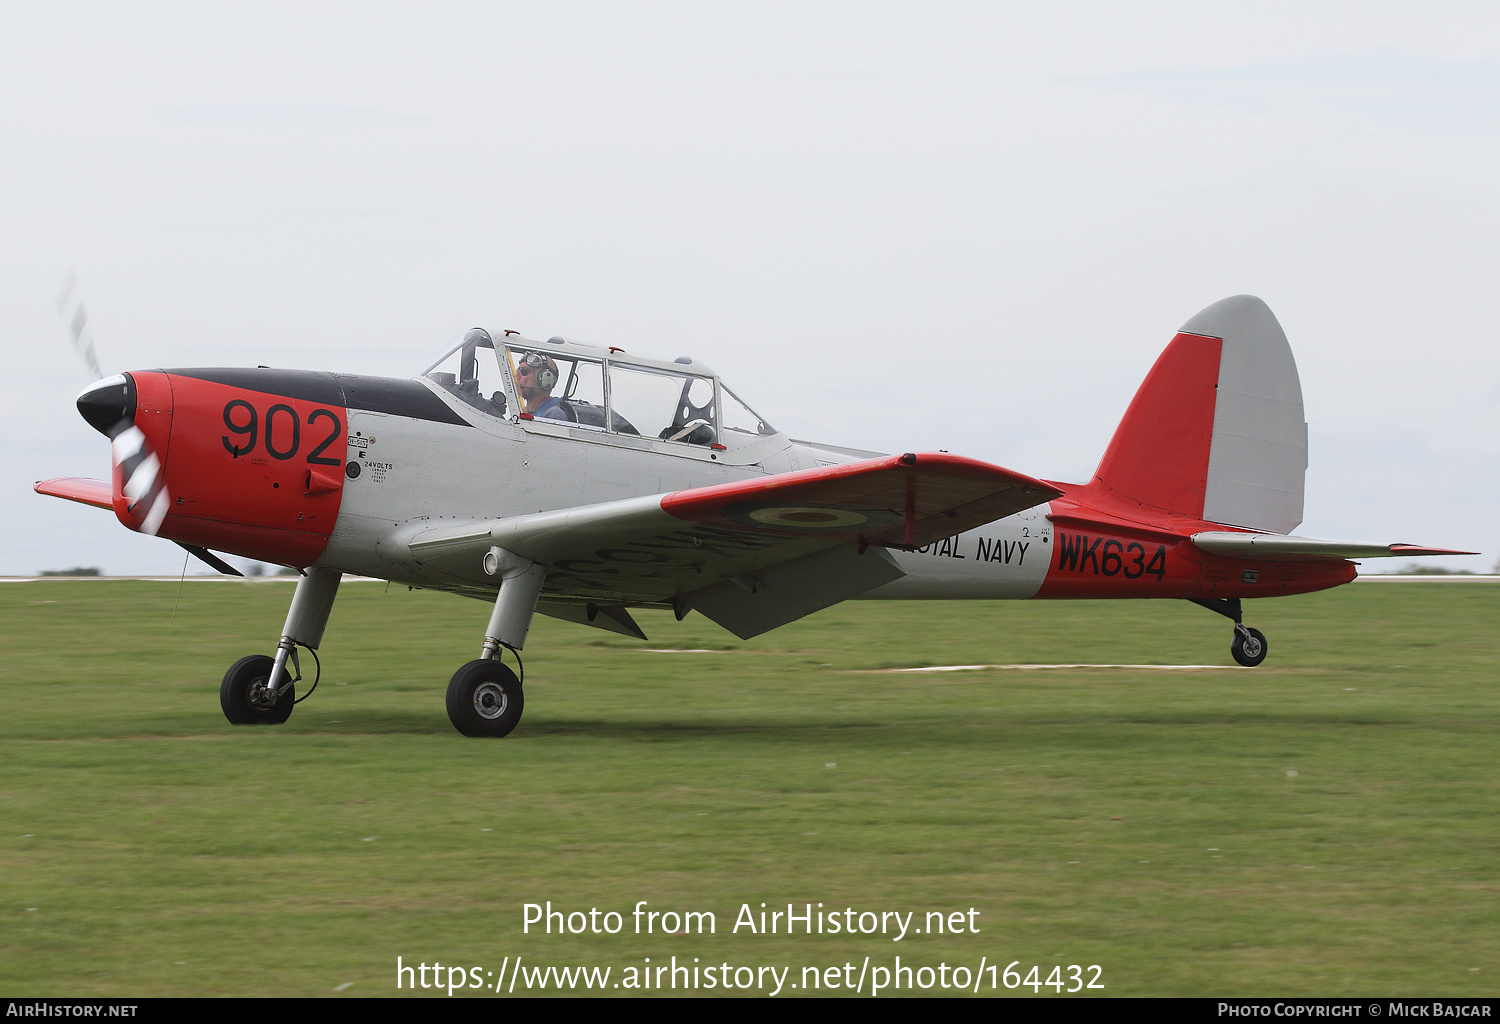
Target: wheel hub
[490, 700]
[260, 696]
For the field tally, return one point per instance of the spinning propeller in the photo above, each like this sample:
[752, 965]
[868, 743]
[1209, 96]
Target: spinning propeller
[109, 406]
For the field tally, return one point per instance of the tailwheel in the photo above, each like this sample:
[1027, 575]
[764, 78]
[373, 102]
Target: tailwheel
[485, 699]
[1248, 646]
[247, 699]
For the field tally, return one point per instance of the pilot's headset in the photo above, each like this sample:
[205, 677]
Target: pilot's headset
[543, 370]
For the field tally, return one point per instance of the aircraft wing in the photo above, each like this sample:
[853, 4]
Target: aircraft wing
[77, 488]
[751, 555]
[1278, 548]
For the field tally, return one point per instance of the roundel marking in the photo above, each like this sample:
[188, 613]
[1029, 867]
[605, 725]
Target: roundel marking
[802, 517]
[806, 519]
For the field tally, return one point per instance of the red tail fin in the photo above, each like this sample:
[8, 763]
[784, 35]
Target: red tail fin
[1159, 454]
[1216, 431]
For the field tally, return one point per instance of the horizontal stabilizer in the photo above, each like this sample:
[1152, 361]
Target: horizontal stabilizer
[77, 488]
[1276, 547]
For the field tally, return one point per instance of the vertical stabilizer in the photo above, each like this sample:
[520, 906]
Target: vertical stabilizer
[1216, 430]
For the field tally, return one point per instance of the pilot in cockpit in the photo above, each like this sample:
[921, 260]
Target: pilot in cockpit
[536, 376]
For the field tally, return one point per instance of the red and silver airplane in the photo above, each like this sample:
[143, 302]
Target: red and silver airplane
[580, 482]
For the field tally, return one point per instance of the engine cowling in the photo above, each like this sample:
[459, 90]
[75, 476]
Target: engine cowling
[227, 466]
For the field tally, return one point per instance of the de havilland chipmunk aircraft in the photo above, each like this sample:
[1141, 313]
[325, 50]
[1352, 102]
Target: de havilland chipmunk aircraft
[581, 482]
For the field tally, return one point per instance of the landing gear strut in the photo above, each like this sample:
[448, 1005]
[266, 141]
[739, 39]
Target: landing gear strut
[485, 697]
[259, 689]
[1248, 646]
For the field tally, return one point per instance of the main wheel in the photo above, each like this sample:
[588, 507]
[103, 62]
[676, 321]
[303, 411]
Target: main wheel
[246, 700]
[1249, 648]
[484, 699]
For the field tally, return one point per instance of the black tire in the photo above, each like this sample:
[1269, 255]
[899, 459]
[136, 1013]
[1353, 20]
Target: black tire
[242, 694]
[1249, 648]
[485, 699]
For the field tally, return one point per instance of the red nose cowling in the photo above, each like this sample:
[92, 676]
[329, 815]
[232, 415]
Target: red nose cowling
[252, 473]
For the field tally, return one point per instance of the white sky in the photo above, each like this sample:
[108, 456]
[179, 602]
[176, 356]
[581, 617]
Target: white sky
[892, 226]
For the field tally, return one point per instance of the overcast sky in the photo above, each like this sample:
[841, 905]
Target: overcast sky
[892, 226]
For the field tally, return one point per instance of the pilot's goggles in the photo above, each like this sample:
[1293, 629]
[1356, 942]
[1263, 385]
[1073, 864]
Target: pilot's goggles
[531, 362]
[536, 370]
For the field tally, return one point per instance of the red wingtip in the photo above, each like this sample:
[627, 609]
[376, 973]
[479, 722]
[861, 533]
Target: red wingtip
[1417, 549]
[77, 488]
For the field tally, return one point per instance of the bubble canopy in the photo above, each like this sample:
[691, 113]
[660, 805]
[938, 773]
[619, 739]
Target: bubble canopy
[596, 388]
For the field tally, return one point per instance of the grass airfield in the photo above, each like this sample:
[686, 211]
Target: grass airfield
[1326, 824]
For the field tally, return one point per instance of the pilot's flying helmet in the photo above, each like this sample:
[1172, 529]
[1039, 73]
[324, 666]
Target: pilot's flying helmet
[540, 369]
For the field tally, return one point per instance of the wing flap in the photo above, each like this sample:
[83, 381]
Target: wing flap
[756, 603]
[616, 620]
[77, 488]
[1276, 547]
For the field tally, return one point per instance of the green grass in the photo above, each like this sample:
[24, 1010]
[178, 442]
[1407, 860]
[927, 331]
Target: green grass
[1147, 822]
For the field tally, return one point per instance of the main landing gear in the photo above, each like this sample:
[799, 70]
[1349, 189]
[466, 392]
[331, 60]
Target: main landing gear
[260, 690]
[485, 697]
[1248, 646]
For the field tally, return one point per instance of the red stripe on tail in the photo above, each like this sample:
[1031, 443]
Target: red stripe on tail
[1159, 454]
